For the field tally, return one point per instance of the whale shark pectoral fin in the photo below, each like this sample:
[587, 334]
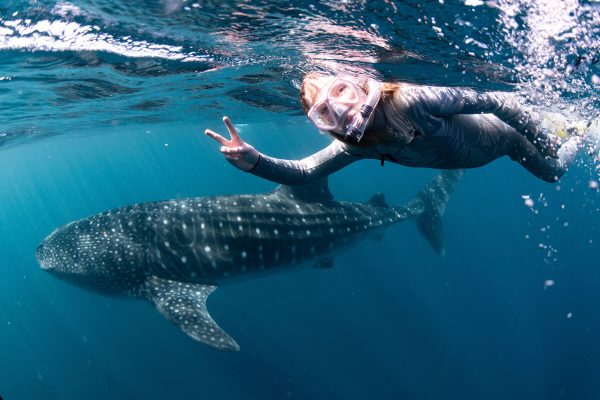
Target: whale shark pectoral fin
[184, 304]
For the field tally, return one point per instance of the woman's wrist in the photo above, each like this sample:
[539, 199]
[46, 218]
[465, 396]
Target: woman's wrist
[255, 164]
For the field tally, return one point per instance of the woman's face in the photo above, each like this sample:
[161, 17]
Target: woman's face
[333, 102]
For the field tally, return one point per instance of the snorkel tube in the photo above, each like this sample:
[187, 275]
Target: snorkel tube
[356, 129]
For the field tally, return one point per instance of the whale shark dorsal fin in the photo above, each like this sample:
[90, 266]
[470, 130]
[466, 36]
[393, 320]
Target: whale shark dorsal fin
[184, 304]
[309, 192]
[378, 200]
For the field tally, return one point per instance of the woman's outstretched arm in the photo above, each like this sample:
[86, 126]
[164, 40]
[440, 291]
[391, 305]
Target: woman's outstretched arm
[288, 172]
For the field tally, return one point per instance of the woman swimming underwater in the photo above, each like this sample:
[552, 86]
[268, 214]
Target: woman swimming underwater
[415, 126]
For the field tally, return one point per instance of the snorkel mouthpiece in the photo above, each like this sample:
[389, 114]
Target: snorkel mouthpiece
[356, 129]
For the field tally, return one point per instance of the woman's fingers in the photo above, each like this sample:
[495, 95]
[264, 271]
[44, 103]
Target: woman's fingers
[235, 150]
[235, 137]
[232, 150]
[217, 137]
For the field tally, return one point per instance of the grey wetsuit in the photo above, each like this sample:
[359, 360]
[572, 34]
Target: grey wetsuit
[436, 127]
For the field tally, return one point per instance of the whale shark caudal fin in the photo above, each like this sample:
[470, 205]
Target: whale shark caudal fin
[432, 199]
[310, 192]
[184, 304]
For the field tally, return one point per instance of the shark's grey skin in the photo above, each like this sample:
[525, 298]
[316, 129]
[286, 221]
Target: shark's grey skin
[174, 253]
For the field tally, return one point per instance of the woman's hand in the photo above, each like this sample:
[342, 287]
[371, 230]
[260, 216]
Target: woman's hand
[236, 151]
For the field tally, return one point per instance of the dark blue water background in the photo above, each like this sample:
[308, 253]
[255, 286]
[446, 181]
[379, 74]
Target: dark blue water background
[97, 127]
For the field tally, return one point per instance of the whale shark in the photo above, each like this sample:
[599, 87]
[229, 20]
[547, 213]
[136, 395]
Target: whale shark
[175, 253]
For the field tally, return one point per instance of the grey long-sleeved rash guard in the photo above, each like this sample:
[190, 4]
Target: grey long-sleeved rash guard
[434, 127]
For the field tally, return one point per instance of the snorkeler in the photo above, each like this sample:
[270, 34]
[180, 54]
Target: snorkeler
[415, 126]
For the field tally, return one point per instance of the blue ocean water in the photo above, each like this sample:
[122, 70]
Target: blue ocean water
[104, 104]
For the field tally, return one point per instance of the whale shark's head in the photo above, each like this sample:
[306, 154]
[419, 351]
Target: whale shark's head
[60, 252]
[96, 253]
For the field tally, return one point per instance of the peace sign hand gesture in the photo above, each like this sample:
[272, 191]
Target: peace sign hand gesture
[236, 151]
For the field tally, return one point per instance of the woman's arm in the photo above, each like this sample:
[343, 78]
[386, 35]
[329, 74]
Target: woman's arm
[296, 172]
[288, 172]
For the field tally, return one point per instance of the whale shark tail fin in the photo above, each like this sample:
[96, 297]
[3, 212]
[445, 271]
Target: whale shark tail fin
[184, 304]
[432, 201]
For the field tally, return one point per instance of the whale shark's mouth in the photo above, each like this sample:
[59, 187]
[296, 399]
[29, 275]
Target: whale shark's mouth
[40, 254]
[45, 255]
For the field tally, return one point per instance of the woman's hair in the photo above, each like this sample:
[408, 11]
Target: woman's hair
[313, 83]
[310, 89]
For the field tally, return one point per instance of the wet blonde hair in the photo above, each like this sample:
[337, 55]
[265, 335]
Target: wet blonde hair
[309, 90]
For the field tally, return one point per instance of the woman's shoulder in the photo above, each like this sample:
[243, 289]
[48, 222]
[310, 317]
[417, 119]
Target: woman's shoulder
[408, 95]
[413, 88]
[405, 96]
[405, 92]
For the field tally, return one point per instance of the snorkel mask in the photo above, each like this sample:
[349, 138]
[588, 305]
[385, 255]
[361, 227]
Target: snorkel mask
[330, 112]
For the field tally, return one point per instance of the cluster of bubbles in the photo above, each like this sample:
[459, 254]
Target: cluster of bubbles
[543, 235]
[555, 48]
[550, 224]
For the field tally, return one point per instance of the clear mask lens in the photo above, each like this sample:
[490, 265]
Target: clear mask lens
[343, 91]
[330, 112]
[322, 116]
